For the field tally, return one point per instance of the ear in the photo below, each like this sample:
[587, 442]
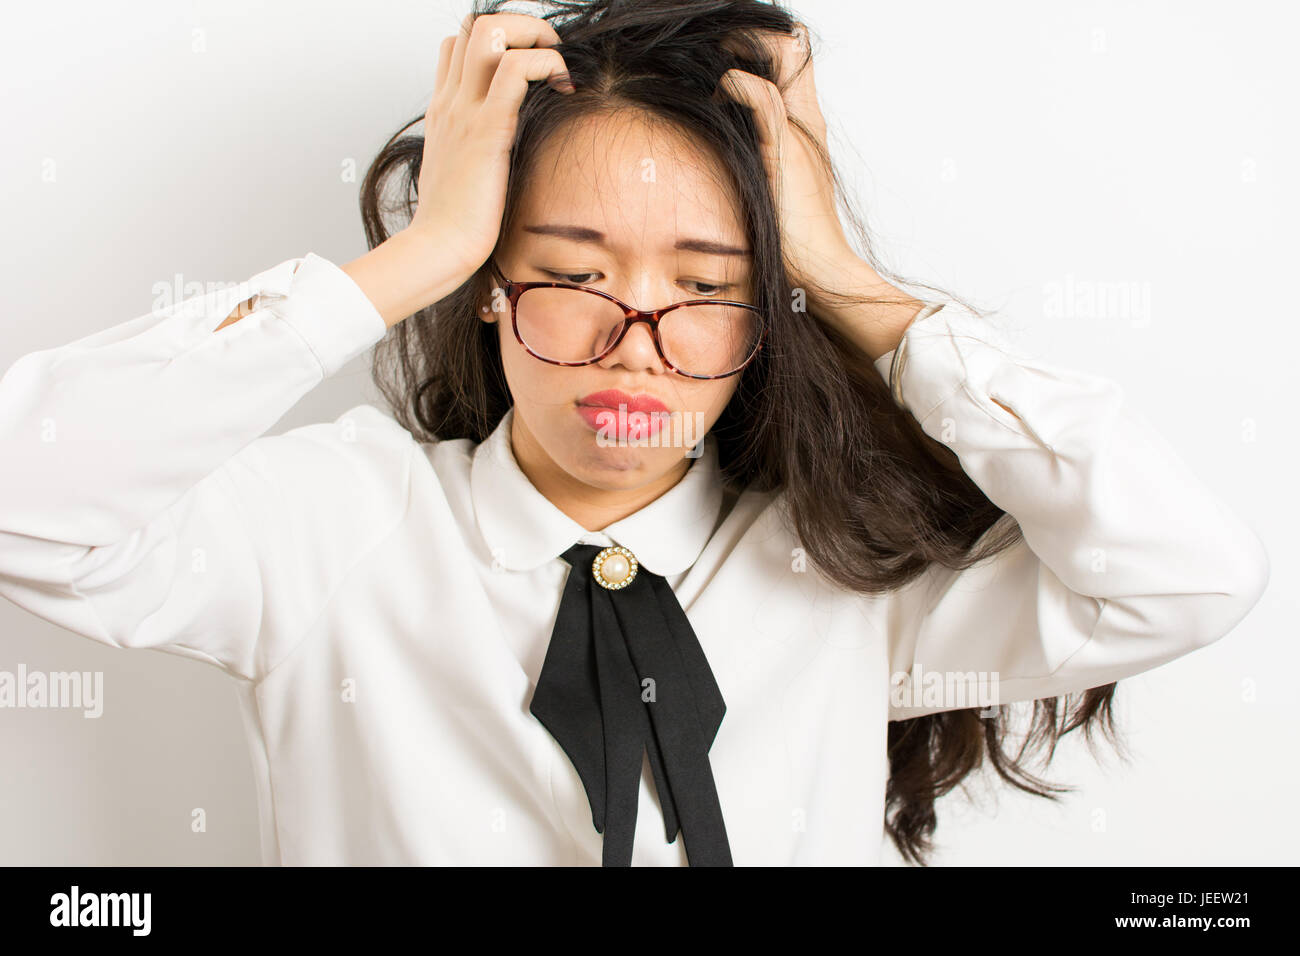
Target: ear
[494, 305]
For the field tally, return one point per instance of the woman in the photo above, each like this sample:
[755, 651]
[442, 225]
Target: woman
[684, 516]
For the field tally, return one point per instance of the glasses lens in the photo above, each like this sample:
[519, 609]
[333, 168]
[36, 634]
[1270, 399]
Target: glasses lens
[709, 339]
[566, 325]
[569, 325]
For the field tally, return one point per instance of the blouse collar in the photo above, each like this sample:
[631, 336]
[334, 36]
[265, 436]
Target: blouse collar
[523, 529]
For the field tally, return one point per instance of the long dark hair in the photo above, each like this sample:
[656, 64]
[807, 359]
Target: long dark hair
[873, 499]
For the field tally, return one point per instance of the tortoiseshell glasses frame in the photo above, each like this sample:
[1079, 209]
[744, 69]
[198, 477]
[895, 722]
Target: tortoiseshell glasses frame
[513, 290]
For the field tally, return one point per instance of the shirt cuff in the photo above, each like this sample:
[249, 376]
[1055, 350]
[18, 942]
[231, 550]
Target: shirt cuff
[325, 306]
[890, 365]
[957, 349]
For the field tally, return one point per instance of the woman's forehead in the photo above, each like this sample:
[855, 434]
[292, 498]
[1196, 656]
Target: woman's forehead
[630, 178]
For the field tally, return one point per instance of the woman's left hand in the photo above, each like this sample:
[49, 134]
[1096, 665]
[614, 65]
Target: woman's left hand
[816, 249]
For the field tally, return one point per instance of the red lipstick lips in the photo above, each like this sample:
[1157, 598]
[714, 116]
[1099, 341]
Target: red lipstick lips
[614, 413]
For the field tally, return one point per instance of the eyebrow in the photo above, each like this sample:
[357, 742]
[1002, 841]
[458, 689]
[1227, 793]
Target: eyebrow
[585, 234]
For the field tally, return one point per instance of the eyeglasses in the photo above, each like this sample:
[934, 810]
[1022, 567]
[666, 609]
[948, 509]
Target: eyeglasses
[567, 324]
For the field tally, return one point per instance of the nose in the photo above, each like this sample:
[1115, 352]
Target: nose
[636, 352]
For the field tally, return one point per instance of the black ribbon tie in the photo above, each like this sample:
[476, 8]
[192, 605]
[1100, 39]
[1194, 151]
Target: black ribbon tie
[625, 675]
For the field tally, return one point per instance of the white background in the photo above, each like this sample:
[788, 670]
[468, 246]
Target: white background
[1005, 151]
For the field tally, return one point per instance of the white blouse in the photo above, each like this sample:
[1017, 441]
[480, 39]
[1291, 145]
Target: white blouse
[385, 604]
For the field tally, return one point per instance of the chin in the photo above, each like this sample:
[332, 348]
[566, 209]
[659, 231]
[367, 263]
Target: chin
[617, 467]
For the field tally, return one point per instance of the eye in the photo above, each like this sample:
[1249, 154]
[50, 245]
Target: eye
[702, 290]
[573, 278]
[709, 289]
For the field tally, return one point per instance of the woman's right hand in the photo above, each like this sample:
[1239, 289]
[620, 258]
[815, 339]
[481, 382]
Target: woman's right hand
[483, 74]
[482, 77]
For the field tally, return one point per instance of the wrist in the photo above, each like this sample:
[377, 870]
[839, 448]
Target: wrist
[877, 326]
[407, 272]
[434, 255]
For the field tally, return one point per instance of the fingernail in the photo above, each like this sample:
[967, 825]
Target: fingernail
[561, 82]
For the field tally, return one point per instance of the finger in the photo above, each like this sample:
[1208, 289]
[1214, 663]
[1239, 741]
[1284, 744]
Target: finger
[800, 84]
[491, 37]
[792, 55]
[510, 83]
[764, 99]
[457, 65]
[791, 58]
[445, 50]
[785, 50]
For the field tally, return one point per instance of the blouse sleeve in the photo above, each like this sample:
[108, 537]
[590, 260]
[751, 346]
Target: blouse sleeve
[141, 504]
[1127, 560]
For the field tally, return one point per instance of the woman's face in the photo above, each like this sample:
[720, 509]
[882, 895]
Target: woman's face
[620, 204]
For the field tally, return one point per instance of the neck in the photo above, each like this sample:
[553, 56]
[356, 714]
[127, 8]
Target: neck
[593, 508]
